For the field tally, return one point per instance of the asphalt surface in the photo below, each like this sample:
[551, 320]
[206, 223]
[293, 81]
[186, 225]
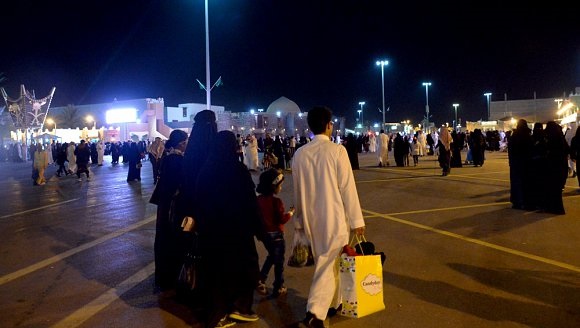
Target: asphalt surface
[80, 254]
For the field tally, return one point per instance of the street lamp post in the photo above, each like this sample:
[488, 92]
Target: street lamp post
[427, 85]
[455, 123]
[487, 95]
[383, 63]
[359, 118]
[207, 72]
[362, 114]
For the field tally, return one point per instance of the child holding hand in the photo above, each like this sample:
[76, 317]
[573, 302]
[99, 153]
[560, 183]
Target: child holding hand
[273, 219]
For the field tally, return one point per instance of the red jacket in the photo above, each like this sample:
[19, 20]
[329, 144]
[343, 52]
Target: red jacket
[274, 216]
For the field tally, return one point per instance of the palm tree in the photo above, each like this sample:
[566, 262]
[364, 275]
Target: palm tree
[70, 117]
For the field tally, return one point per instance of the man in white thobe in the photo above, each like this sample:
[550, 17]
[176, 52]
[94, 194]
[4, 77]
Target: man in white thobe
[383, 149]
[251, 153]
[327, 208]
[100, 152]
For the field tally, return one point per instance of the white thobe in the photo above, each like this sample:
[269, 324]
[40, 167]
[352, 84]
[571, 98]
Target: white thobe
[422, 140]
[251, 154]
[71, 158]
[100, 153]
[373, 143]
[327, 207]
[383, 148]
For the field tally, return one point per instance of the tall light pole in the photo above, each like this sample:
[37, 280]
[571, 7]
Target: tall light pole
[207, 75]
[359, 118]
[487, 95]
[427, 85]
[455, 123]
[362, 114]
[383, 63]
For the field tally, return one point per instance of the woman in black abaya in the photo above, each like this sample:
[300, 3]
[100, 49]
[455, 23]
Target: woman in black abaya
[228, 218]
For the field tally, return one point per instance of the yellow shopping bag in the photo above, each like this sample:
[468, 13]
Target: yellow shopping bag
[361, 285]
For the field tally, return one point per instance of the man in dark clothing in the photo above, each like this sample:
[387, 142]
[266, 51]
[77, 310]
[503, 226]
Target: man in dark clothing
[83, 154]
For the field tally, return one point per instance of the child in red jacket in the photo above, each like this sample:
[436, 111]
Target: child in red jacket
[273, 219]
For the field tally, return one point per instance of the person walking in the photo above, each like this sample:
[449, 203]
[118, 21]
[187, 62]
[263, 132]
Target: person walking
[575, 152]
[155, 153]
[444, 147]
[100, 152]
[251, 153]
[168, 226]
[520, 158]
[82, 154]
[61, 160]
[415, 150]
[71, 158]
[199, 146]
[40, 163]
[556, 170]
[327, 208]
[134, 157]
[274, 217]
[383, 149]
[226, 233]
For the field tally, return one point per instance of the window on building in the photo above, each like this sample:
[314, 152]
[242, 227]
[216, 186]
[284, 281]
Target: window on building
[184, 109]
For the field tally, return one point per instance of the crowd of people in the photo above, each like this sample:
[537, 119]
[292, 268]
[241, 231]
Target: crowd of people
[198, 173]
[195, 175]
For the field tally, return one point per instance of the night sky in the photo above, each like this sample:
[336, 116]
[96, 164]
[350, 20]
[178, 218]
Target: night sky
[312, 52]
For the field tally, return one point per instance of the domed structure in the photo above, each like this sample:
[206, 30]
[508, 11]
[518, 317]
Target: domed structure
[283, 105]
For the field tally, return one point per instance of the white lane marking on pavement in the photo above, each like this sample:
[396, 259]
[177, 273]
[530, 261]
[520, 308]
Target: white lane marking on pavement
[39, 265]
[451, 208]
[479, 242]
[38, 208]
[89, 310]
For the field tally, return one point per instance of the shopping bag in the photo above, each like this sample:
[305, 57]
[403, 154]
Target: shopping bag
[301, 250]
[361, 285]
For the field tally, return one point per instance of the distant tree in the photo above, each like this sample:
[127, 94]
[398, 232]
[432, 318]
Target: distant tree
[70, 118]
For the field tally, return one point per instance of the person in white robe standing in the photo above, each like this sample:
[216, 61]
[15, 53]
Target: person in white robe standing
[251, 153]
[71, 157]
[383, 149]
[372, 142]
[327, 208]
[100, 152]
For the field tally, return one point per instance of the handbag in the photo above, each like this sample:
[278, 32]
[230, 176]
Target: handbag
[361, 284]
[301, 250]
[188, 278]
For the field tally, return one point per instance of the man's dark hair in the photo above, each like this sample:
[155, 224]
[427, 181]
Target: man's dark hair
[318, 118]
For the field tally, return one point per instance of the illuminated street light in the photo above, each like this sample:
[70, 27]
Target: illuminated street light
[90, 119]
[383, 63]
[487, 95]
[51, 121]
[359, 117]
[362, 114]
[427, 85]
[455, 123]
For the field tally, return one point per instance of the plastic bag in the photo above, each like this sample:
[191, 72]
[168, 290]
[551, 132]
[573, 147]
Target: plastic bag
[301, 250]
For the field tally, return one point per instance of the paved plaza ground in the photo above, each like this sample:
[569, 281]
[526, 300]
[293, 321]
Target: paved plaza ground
[80, 254]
